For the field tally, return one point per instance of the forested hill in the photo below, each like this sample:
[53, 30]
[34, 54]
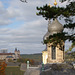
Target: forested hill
[36, 57]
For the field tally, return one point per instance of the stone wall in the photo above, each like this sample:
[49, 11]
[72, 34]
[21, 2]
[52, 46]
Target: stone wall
[59, 55]
[45, 57]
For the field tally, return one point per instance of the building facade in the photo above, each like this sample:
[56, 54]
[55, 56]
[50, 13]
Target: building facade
[53, 54]
[12, 56]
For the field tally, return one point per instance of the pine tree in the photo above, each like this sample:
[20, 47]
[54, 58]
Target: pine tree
[54, 12]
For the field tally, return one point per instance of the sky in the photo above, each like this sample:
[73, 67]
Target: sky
[21, 28]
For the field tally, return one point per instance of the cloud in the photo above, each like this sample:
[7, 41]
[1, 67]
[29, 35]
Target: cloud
[20, 11]
[30, 28]
[27, 37]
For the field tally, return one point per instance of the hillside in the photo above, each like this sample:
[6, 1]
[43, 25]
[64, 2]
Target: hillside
[36, 57]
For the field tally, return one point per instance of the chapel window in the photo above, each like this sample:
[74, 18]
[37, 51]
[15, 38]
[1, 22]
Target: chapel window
[53, 50]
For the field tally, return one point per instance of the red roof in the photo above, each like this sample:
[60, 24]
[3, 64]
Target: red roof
[6, 53]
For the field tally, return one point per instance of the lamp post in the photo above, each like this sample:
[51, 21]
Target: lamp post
[42, 66]
[27, 64]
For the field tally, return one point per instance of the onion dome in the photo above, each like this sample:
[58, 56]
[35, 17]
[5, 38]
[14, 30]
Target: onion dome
[46, 36]
[55, 27]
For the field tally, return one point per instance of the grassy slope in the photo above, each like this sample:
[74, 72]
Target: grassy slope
[13, 71]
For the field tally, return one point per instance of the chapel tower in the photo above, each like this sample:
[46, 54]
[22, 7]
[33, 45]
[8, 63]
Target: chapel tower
[53, 54]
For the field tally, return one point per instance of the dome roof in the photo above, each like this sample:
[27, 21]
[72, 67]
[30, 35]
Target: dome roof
[46, 36]
[55, 27]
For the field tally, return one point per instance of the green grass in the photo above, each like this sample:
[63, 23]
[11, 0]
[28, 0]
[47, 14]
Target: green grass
[14, 71]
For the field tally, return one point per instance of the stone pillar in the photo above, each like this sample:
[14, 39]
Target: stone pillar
[44, 57]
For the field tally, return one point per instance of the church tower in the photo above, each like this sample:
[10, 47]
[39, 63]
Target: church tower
[17, 53]
[53, 54]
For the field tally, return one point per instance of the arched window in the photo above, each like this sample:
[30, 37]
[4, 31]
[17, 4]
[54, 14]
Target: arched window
[53, 50]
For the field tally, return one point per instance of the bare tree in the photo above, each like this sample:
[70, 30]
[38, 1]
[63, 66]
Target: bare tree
[23, 1]
[65, 0]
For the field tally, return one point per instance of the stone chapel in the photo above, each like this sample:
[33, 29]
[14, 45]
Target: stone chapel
[53, 54]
